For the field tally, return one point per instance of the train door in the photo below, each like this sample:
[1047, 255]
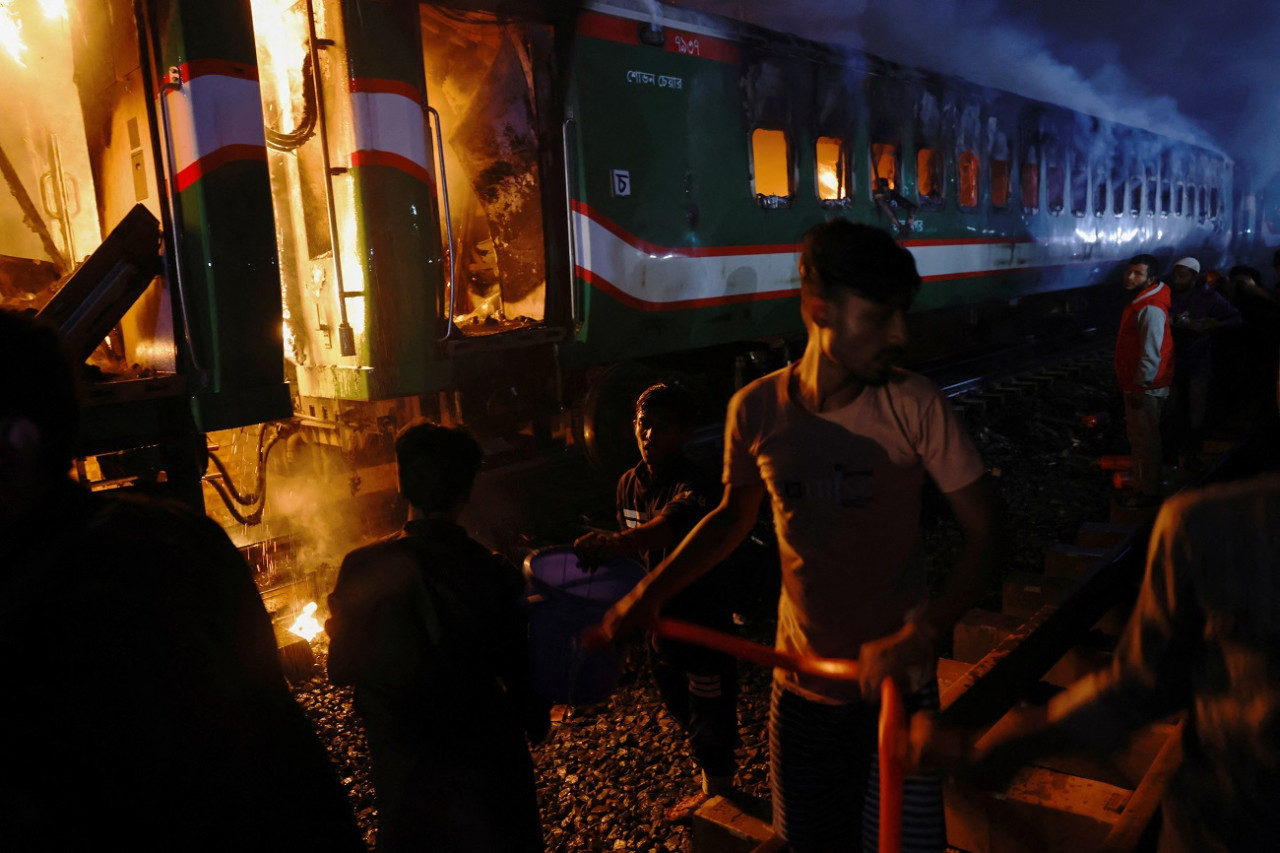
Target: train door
[486, 78]
[75, 155]
[112, 105]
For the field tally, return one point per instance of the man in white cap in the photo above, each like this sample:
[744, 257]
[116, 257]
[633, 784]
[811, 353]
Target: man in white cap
[1197, 313]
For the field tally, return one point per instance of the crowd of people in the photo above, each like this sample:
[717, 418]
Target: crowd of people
[1187, 346]
[156, 730]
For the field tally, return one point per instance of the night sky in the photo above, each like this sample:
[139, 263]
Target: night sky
[1205, 70]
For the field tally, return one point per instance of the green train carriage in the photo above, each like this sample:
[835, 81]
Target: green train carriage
[375, 210]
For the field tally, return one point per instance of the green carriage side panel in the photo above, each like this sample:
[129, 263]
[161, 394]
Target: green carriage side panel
[397, 233]
[398, 242]
[224, 233]
[201, 30]
[674, 258]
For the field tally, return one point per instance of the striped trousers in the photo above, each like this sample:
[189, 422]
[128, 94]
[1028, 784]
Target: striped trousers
[825, 778]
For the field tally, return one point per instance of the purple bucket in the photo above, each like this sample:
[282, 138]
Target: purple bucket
[564, 600]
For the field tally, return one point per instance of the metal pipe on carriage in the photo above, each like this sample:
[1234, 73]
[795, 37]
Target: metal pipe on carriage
[448, 223]
[346, 336]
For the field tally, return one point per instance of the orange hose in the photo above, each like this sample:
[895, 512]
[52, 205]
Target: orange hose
[893, 717]
[893, 747]
[836, 669]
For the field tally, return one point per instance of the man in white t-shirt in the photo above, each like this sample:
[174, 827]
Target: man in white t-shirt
[840, 442]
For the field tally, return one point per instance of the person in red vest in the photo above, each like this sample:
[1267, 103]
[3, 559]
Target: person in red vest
[1144, 372]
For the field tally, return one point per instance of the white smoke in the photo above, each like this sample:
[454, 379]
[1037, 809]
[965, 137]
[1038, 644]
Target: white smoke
[1197, 70]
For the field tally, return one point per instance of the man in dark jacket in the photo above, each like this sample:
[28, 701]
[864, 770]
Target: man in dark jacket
[144, 704]
[1197, 314]
[427, 626]
[659, 501]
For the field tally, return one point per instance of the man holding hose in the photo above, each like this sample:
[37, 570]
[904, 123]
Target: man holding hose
[841, 442]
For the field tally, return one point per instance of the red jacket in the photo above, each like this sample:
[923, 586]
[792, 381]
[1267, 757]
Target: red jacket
[1144, 346]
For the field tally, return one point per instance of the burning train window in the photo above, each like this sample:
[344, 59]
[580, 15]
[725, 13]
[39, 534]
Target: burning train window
[929, 176]
[884, 164]
[1001, 186]
[1030, 180]
[1001, 174]
[970, 170]
[834, 180]
[771, 167]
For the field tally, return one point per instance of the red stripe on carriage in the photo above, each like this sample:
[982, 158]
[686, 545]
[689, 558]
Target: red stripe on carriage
[221, 157]
[384, 86]
[222, 67]
[627, 31]
[367, 157]
[680, 251]
[630, 301]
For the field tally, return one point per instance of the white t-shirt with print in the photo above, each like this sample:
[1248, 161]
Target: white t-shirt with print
[845, 490]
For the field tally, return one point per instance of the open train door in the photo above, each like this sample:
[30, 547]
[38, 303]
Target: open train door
[496, 103]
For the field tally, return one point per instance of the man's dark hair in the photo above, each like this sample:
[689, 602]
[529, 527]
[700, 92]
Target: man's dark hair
[669, 398]
[1241, 269]
[38, 382]
[852, 256]
[1151, 262]
[437, 465]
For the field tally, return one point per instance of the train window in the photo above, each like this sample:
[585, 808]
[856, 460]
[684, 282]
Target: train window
[1179, 194]
[1055, 186]
[1001, 187]
[1214, 200]
[1151, 191]
[1135, 195]
[834, 179]
[1079, 187]
[1117, 189]
[970, 171]
[1099, 191]
[1202, 211]
[929, 176]
[770, 158]
[884, 163]
[1165, 194]
[1029, 176]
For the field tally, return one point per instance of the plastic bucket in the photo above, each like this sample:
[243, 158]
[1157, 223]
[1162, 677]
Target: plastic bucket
[564, 600]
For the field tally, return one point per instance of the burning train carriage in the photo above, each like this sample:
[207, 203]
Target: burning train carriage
[376, 211]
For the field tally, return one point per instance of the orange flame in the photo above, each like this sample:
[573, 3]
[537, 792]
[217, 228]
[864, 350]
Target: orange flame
[306, 625]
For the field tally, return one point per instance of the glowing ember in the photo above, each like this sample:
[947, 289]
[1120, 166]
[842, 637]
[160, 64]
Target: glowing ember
[11, 32]
[306, 625]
